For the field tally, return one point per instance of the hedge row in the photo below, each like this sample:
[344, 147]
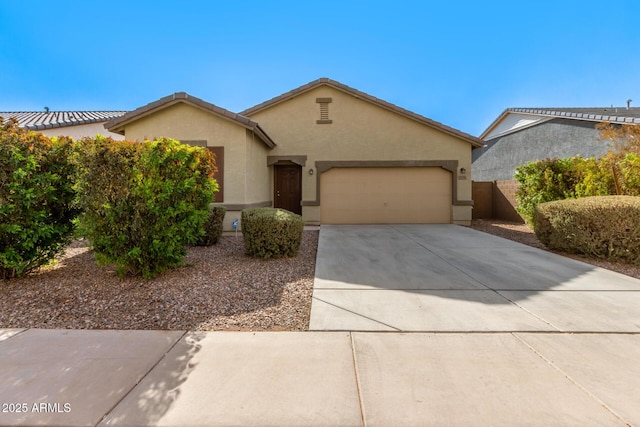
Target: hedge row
[605, 226]
[140, 204]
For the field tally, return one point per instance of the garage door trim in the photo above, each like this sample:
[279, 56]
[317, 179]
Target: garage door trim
[449, 165]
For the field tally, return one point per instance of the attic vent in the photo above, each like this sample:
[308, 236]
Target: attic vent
[324, 111]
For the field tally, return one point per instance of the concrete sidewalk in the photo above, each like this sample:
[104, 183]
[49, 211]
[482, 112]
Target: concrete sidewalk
[171, 378]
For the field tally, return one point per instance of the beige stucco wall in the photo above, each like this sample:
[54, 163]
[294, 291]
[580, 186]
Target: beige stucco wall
[81, 131]
[360, 131]
[257, 184]
[243, 170]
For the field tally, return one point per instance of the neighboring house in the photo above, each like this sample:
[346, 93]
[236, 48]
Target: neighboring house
[522, 135]
[76, 124]
[324, 150]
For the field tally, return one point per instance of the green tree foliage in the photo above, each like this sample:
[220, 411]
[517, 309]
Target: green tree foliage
[143, 203]
[36, 198]
[624, 147]
[213, 226]
[630, 174]
[544, 181]
[593, 178]
[615, 173]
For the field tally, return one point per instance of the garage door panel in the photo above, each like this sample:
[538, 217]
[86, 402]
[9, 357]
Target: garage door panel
[385, 195]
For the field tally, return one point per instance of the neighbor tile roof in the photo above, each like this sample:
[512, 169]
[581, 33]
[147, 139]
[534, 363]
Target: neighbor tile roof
[601, 114]
[116, 124]
[365, 96]
[39, 120]
[617, 115]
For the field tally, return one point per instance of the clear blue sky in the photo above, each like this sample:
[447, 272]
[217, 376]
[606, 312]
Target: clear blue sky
[457, 62]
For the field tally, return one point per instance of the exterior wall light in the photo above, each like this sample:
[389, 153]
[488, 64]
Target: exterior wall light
[463, 170]
[311, 171]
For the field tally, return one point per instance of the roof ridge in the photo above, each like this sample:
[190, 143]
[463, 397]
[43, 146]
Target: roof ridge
[64, 111]
[112, 124]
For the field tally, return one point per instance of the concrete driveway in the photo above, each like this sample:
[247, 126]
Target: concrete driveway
[448, 278]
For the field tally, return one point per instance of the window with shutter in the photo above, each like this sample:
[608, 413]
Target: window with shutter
[219, 175]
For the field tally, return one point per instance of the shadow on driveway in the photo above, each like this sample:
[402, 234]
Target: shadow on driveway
[370, 270]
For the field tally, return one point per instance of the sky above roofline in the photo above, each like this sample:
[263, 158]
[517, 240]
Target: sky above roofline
[461, 64]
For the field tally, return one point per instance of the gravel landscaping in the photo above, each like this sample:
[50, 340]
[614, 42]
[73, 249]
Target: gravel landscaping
[524, 234]
[219, 288]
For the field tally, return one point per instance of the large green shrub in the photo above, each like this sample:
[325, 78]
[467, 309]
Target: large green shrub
[36, 198]
[213, 226]
[270, 232]
[144, 203]
[544, 181]
[593, 178]
[602, 226]
[616, 173]
[629, 171]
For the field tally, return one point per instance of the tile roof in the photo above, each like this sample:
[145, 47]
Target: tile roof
[39, 120]
[365, 96]
[617, 115]
[600, 114]
[116, 124]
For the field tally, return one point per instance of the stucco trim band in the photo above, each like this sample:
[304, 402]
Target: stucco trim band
[449, 165]
[239, 207]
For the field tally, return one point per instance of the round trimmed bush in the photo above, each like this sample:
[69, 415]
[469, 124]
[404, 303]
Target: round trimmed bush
[270, 232]
[601, 226]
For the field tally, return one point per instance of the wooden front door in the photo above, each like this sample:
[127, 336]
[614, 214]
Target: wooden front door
[287, 192]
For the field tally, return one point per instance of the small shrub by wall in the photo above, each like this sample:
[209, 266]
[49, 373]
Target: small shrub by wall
[213, 226]
[144, 203]
[36, 198]
[270, 232]
[603, 226]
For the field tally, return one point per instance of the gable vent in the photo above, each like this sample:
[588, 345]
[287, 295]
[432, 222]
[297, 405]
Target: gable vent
[324, 111]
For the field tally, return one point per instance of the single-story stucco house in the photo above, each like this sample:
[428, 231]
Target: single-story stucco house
[76, 124]
[326, 151]
[522, 135]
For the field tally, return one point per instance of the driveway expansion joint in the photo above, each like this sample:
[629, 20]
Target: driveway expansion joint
[357, 378]
[357, 314]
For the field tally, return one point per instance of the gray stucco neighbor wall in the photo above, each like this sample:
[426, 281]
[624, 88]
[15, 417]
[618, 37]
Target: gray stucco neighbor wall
[557, 138]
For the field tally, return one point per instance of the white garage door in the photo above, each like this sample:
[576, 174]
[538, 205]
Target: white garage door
[410, 195]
